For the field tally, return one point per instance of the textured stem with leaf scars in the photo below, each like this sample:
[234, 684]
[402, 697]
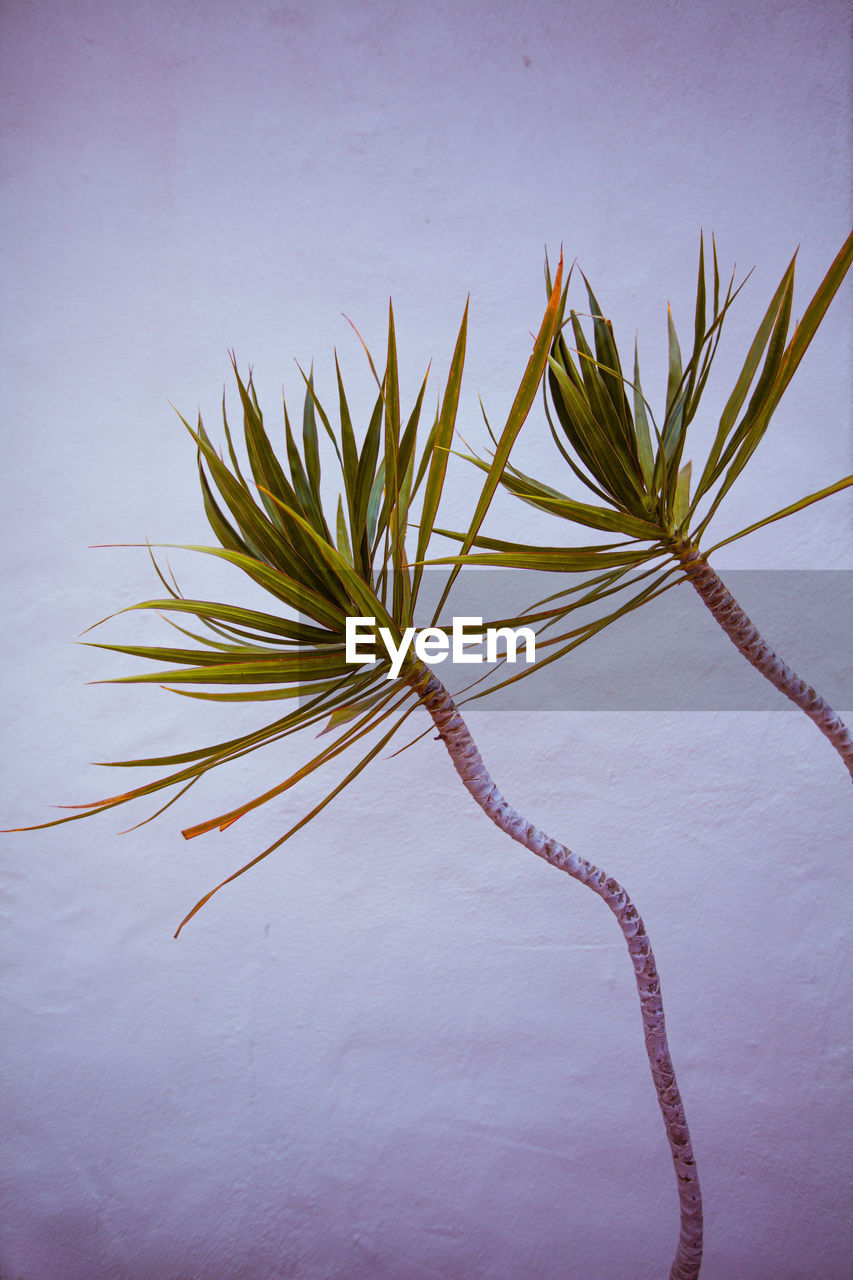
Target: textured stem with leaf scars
[748, 640]
[466, 758]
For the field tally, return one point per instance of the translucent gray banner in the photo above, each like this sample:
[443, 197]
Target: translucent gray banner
[669, 654]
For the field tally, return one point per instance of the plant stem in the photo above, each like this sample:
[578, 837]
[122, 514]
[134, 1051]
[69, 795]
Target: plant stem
[748, 639]
[466, 758]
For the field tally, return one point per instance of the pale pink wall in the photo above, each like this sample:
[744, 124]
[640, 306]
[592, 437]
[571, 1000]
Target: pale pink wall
[404, 1049]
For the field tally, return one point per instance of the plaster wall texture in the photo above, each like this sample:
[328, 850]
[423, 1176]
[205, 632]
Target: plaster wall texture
[403, 1048]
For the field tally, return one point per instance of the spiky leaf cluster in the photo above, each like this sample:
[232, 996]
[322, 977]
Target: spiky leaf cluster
[634, 465]
[269, 519]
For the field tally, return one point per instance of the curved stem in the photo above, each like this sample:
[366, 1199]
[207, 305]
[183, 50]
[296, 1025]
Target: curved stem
[748, 639]
[466, 758]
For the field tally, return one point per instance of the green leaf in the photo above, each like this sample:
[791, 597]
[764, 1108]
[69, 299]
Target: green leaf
[258, 533]
[581, 635]
[594, 517]
[309, 441]
[392, 408]
[340, 744]
[360, 594]
[815, 311]
[299, 476]
[569, 430]
[343, 540]
[675, 424]
[440, 448]
[787, 511]
[598, 435]
[749, 432]
[426, 453]
[373, 504]
[318, 408]
[699, 319]
[644, 441]
[223, 529]
[349, 460]
[775, 350]
[366, 474]
[609, 364]
[682, 494]
[553, 559]
[735, 402]
[517, 415]
[349, 711]
[407, 453]
[278, 584]
[675, 371]
[265, 466]
[277, 628]
[374, 751]
[283, 670]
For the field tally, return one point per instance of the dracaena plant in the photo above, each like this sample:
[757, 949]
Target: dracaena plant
[321, 568]
[646, 497]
